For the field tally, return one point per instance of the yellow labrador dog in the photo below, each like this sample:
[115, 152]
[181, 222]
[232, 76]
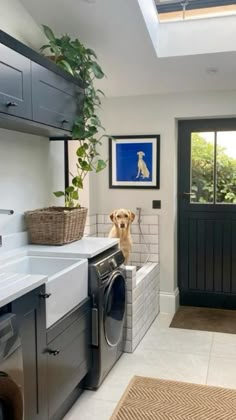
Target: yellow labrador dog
[122, 219]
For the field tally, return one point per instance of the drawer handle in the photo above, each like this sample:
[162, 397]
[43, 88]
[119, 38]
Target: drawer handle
[65, 122]
[54, 352]
[45, 295]
[8, 104]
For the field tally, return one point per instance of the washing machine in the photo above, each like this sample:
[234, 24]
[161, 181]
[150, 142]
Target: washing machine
[11, 370]
[108, 294]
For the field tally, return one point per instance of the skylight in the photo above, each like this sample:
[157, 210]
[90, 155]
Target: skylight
[193, 9]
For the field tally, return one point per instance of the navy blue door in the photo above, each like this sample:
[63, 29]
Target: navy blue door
[207, 213]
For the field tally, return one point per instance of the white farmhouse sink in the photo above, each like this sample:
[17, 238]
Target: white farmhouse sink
[67, 281]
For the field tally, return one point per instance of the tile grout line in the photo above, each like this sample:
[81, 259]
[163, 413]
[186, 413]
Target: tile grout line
[209, 360]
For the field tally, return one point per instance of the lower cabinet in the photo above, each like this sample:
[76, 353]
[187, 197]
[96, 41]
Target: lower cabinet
[30, 315]
[68, 358]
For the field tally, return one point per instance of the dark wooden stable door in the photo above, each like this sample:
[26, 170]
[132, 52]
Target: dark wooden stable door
[207, 213]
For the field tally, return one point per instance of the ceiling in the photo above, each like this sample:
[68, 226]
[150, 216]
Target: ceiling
[115, 29]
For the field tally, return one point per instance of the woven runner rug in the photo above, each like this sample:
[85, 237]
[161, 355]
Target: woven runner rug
[156, 399]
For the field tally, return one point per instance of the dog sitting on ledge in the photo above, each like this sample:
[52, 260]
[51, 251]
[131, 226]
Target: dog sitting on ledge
[122, 219]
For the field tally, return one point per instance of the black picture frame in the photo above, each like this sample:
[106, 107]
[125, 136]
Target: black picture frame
[114, 158]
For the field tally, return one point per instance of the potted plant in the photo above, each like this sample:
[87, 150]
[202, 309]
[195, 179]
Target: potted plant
[79, 61]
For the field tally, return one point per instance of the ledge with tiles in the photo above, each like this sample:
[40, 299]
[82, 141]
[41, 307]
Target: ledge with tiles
[142, 303]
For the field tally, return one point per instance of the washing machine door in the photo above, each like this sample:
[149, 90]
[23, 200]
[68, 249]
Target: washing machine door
[114, 309]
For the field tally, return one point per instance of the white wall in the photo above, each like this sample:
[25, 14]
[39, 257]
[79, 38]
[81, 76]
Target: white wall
[17, 22]
[30, 167]
[157, 115]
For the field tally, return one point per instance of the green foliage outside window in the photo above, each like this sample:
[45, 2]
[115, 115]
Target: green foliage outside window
[202, 155]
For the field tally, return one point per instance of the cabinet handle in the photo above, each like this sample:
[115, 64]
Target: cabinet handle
[8, 104]
[54, 352]
[65, 122]
[44, 295]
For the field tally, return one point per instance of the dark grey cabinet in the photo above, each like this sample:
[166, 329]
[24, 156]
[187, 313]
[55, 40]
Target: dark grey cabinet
[30, 315]
[15, 83]
[68, 357]
[36, 95]
[56, 101]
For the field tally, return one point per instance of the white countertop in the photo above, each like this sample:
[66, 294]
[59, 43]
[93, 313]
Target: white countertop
[13, 286]
[87, 247]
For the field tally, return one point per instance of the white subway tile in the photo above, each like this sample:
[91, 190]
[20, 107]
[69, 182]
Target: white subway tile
[149, 220]
[136, 229]
[151, 239]
[136, 239]
[135, 257]
[128, 347]
[100, 218]
[103, 228]
[154, 229]
[154, 258]
[154, 249]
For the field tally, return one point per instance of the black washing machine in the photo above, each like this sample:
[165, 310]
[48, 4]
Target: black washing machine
[108, 293]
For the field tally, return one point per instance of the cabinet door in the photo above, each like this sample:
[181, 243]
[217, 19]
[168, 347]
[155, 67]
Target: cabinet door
[68, 361]
[30, 311]
[56, 101]
[15, 83]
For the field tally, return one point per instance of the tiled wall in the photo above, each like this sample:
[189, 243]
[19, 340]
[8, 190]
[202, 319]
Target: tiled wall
[142, 303]
[91, 225]
[145, 237]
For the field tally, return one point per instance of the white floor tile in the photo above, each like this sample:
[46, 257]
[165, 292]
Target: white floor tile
[162, 364]
[174, 339]
[222, 372]
[224, 345]
[91, 409]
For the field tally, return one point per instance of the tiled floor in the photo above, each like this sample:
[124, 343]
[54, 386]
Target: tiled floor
[167, 353]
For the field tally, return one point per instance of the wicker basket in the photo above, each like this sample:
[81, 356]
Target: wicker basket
[56, 225]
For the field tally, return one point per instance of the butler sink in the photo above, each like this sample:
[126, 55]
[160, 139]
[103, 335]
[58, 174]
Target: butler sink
[67, 283]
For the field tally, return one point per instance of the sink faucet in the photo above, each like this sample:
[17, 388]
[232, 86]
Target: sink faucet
[4, 211]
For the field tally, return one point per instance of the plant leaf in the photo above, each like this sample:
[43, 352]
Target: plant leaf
[49, 33]
[66, 66]
[75, 195]
[59, 194]
[69, 189]
[77, 182]
[97, 71]
[101, 164]
[89, 51]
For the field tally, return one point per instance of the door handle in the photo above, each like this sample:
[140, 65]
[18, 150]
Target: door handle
[189, 193]
[44, 295]
[54, 352]
[8, 104]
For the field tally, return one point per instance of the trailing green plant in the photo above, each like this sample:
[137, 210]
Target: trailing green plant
[80, 62]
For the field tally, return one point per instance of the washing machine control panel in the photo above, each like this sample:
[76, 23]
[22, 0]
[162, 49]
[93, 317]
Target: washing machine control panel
[109, 264]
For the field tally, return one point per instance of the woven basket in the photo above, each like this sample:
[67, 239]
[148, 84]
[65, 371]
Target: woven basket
[56, 225]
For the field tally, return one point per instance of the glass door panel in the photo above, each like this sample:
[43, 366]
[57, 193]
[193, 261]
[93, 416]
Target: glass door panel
[226, 167]
[202, 168]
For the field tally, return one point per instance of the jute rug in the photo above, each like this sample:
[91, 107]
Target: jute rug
[205, 319]
[156, 399]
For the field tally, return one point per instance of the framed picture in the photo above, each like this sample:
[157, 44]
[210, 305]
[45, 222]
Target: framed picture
[134, 161]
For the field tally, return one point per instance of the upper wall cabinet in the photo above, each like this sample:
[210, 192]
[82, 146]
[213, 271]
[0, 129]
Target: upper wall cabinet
[15, 83]
[55, 100]
[36, 96]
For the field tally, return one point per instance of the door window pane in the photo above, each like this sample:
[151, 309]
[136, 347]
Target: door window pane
[202, 167]
[226, 167]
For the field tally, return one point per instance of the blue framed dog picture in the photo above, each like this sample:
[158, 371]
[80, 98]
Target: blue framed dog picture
[134, 161]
